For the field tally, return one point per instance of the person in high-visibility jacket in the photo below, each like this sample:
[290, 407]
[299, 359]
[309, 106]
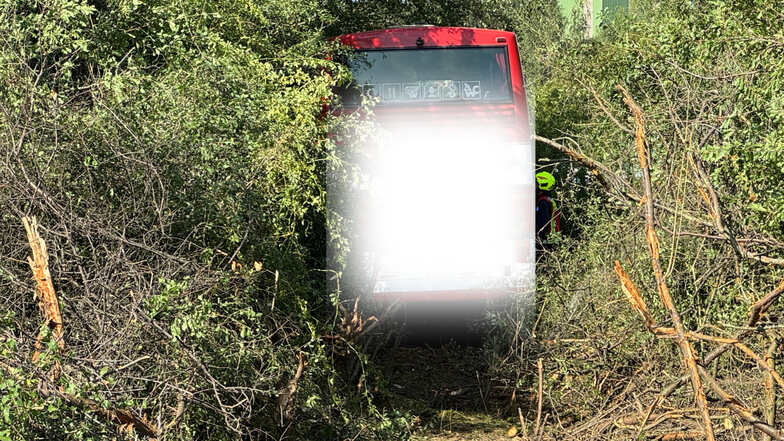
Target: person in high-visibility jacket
[548, 218]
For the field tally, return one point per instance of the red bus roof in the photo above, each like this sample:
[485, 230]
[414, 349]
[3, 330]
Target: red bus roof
[432, 36]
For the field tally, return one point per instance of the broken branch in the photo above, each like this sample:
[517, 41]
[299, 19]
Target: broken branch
[47, 300]
[634, 297]
[689, 359]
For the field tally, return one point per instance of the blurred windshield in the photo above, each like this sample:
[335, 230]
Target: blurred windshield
[429, 76]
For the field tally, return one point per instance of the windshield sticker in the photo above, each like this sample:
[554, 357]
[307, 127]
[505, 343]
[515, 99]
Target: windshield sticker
[451, 90]
[412, 91]
[472, 90]
[391, 92]
[433, 90]
[370, 90]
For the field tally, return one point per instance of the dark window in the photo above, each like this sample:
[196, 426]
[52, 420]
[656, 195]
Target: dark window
[428, 76]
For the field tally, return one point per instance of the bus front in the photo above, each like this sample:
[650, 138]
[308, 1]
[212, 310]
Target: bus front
[446, 206]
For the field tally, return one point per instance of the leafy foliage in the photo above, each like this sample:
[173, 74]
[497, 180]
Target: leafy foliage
[174, 153]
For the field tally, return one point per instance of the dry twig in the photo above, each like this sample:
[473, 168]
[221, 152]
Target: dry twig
[680, 436]
[523, 427]
[537, 427]
[770, 386]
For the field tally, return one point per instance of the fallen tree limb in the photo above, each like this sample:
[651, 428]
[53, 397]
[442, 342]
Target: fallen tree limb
[743, 348]
[600, 171]
[716, 212]
[687, 352]
[538, 426]
[605, 176]
[764, 365]
[695, 371]
[761, 306]
[712, 201]
[50, 308]
[606, 111]
[634, 297]
[655, 419]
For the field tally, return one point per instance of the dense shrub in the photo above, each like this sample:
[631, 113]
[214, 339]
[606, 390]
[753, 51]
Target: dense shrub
[174, 155]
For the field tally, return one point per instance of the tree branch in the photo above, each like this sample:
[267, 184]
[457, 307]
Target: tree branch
[643, 156]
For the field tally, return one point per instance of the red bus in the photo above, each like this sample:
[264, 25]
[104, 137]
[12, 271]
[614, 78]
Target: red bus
[448, 209]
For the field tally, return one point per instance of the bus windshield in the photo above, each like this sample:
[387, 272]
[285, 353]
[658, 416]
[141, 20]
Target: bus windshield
[430, 76]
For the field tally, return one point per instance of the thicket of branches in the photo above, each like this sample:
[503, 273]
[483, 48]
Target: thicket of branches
[172, 153]
[671, 133]
[171, 156]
